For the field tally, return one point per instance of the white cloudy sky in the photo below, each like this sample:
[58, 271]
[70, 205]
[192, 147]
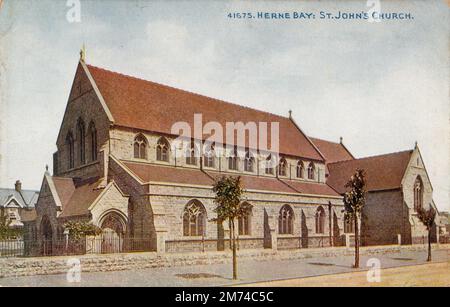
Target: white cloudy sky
[382, 86]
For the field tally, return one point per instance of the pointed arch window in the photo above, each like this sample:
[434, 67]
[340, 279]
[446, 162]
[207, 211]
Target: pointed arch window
[320, 220]
[194, 219]
[162, 149]
[418, 193]
[300, 169]
[81, 136]
[282, 167]
[349, 223]
[311, 170]
[93, 141]
[233, 160]
[140, 147]
[191, 154]
[70, 150]
[209, 156]
[269, 165]
[244, 221]
[286, 220]
[249, 162]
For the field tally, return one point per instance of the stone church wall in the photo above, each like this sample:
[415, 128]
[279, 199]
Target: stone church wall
[83, 104]
[415, 169]
[122, 147]
[140, 213]
[265, 212]
[382, 222]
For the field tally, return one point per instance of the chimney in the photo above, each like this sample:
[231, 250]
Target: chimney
[341, 139]
[18, 186]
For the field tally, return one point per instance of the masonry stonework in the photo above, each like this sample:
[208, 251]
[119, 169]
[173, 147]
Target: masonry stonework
[153, 209]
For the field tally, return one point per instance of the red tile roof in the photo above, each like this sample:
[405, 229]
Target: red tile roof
[333, 152]
[265, 184]
[312, 188]
[64, 187]
[149, 172]
[169, 174]
[150, 106]
[384, 172]
[76, 197]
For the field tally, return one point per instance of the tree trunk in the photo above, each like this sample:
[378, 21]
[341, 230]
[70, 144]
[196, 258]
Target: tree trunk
[234, 251]
[429, 245]
[356, 242]
[231, 238]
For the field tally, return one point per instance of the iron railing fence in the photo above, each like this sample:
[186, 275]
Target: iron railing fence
[108, 245]
[11, 248]
[60, 247]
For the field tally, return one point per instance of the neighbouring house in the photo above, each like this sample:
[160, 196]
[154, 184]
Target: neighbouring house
[18, 205]
[116, 166]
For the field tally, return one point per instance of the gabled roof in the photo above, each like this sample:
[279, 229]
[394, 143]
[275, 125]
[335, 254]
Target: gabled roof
[145, 105]
[383, 172]
[156, 173]
[25, 198]
[12, 202]
[333, 152]
[180, 175]
[76, 196]
[64, 188]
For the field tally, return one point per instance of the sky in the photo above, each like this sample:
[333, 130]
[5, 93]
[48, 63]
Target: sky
[382, 86]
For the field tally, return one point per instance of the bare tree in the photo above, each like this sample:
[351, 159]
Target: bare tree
[230, 207]
[354, 201]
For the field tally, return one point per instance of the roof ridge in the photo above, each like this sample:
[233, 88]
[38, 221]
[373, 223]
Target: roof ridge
[375, 156]
[319, 139]
[186, 91]
[12, 189]
[292, 120]
[340, 144]
[61, 177]
[86, 181]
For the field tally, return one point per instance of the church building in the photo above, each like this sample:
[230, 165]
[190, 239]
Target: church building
[116, 166]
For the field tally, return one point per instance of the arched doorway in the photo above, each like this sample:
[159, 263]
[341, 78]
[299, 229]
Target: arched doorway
[46, 236]
[113, 227]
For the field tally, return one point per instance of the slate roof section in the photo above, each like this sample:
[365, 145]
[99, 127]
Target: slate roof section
[25, 198]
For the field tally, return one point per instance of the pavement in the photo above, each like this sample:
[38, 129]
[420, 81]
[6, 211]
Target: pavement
[422, 275]
[220, 274]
